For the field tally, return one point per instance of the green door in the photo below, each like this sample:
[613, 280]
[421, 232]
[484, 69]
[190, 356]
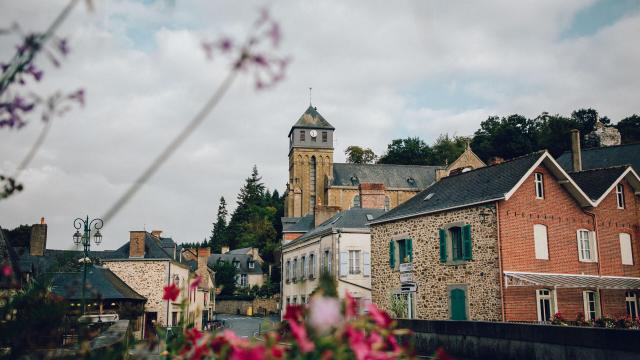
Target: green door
[458, 300]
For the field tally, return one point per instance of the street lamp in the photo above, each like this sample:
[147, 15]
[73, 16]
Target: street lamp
[84, 238]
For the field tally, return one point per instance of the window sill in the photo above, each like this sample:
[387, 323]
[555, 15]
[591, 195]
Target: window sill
[587, 261]
[456, 262]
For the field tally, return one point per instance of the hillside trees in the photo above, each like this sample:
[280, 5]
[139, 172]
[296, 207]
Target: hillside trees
[217, 238]
[359, 155]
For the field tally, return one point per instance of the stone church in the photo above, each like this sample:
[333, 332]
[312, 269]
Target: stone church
[316, 182]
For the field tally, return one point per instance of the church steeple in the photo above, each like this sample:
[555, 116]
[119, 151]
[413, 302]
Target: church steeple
[310, 162]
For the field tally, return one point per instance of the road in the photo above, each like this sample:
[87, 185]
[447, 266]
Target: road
[244, 326]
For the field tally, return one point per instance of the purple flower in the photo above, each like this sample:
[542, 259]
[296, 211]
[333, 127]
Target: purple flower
[37, 74]
[225, 45]
[274, 34]
[208, 49]
[63, 46]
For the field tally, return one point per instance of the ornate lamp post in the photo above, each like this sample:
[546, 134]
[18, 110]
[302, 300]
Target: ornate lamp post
[84, 238]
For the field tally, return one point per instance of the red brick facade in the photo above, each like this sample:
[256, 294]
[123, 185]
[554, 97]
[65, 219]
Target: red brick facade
[563, 217]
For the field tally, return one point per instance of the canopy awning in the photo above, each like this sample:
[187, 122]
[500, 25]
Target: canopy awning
[513, 279]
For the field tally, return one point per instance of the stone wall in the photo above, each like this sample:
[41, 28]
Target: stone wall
[259, 306]
[487, 340]
[433, 278]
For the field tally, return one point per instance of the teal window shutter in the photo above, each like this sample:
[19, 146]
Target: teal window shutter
[443, 245]
[409, 244]
[392, 253]
[466, 242]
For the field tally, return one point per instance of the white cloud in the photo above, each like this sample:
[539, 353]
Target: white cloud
[146, 76]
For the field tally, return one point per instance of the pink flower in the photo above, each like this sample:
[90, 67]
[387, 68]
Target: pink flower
[324, 313]
[357, 342]
[300, 334]
[240, 353]
[350, 306]
[293, 312]
[379, 316]
[6, 270]
[195, 283]
[442, 355]
[171, 292]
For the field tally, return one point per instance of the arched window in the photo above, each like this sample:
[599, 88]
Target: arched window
[387, 203]
[356, 202]
[312, 182]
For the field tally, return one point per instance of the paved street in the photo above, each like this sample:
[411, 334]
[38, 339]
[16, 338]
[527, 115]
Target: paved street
[245, 326]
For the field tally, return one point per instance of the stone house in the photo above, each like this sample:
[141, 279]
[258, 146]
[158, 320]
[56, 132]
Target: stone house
[314, 178]
[516, 241]
[146, 266]
[339, 244]
[248, 263]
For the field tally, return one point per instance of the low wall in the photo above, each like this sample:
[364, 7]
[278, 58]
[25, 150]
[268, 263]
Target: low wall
[258, 306]
[480, 340]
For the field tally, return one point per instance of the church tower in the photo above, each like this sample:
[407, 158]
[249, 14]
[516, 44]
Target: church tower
[310, 163]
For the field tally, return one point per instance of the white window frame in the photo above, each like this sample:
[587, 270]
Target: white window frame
[630, 299]
[591, 241]
[550, 296]
[541, 242]
[244, 280]
[354, 262]
[252, 264]
[626, 249]
[538, 179]
[587, 307]
[620, 196]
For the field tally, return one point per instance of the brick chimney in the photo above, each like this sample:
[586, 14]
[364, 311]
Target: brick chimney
[224, 250]
[203, 257]
[576, 155]
[372, 196]
[136, 244]
[38, 242]
[323, 213]
[156, 233]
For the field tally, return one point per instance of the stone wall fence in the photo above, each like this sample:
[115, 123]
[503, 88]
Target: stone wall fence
[241, 306]
[496, 340]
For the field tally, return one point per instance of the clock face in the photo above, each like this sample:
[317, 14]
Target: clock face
[313, 133]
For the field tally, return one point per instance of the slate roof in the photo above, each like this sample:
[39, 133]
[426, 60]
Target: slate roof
[239, 251]
[311, 118]
[392, 176]
[596, 181]
[604, 157]
[152, 250]
[243, 259]
[102, 283]
[352, 219]
[473, 187]
[301, 224]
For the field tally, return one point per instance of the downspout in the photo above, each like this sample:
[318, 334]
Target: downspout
[502, 310]
[337, 273]
[597, 238]
[168, 283]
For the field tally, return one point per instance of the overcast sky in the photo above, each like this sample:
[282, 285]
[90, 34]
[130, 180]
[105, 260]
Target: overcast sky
[380, 70]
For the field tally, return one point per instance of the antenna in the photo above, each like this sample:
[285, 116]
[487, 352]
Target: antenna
[310, 103]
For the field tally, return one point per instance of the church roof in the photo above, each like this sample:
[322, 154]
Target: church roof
[312, 119]
[392, 176]
[604, 157]
[298, 224]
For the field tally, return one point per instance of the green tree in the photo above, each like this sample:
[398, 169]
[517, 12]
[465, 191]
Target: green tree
[225, 277]
[506, 137]
[554, 132]
[447, 149]
[359, 155]
[409, 151]
[629, 128]
[218, 233]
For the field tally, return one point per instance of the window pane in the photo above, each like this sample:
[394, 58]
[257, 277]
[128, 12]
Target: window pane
[456, 242]
[402, 251]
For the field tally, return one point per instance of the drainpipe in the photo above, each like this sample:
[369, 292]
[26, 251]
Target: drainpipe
[168, 283]
[337, 273]
[504, 318]
[595, 230]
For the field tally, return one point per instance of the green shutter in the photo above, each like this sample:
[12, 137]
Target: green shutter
[409, 244]
[466, 242]
[443, 245]
[392, 254]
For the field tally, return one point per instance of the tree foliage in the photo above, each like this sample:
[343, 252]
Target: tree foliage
[225, 277]
[629, 128]
[409, 151]
[218, 238]
[359, 155]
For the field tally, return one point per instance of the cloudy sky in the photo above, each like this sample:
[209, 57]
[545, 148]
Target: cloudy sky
[379, 70]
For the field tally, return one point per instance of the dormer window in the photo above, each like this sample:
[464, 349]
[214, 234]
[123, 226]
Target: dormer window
[236, 264]
[620, 196]
[252, 264]
[411, 181]
[354, 180]
[538, 180]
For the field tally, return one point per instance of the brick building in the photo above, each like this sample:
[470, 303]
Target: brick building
[516, 241]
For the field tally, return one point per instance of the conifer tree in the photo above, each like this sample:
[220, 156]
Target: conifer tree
[218, 238]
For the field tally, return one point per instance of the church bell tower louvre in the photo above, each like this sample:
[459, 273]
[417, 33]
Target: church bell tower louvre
[310, 163]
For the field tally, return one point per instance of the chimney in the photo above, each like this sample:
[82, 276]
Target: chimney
[156, 233]
[203, 257]
[372, 196]
[323, 213]
[224, 250]
[136, 244]
[38, 242]
[576, 155]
